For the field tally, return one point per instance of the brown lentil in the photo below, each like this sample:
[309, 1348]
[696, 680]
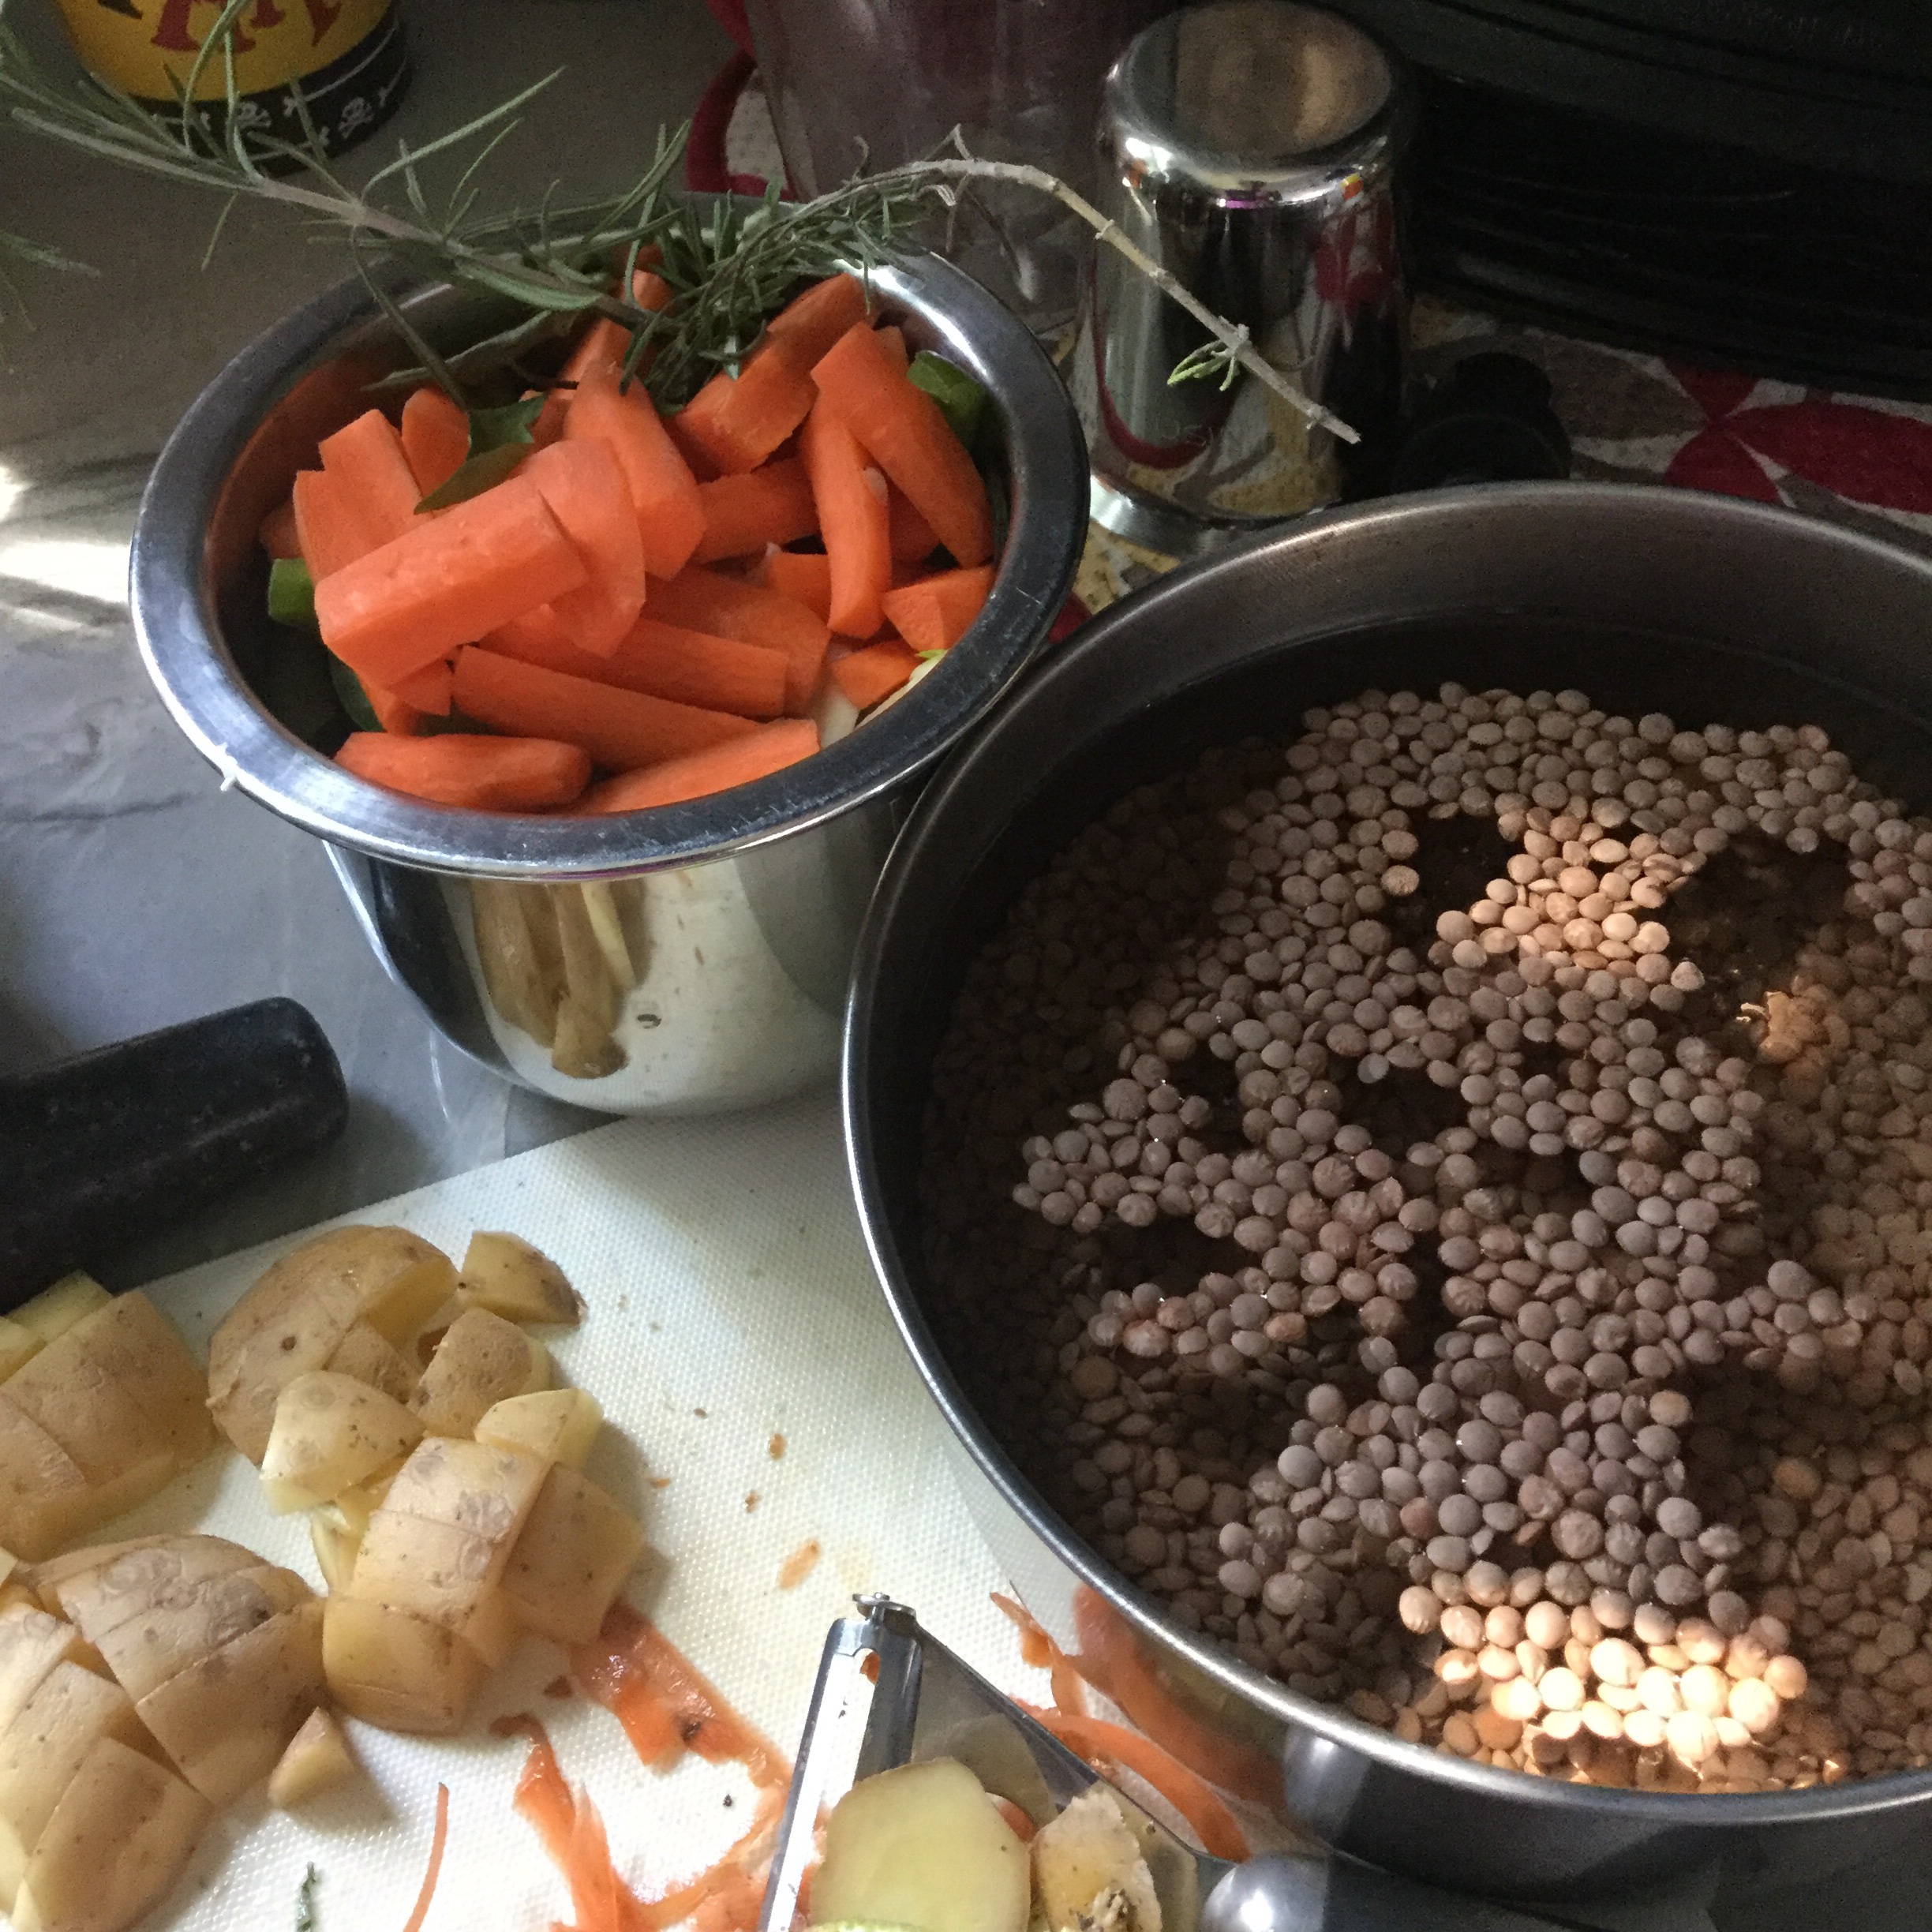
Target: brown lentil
[1469, 1245]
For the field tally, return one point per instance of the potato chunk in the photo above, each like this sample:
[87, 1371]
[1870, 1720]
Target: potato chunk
[227, 1719]
[482, 1360]
[112, 1847]
[506, 1275]
[54, 1310]
[300, 1313]
[1087, 1866]
[42, 1752]
[922, 1847]
[398, 1671]
[364, 1354]
[554, 1425]
[571, 1560]
[318, 1758]
[44, 1497]
[331, 1432]
[31, 1644]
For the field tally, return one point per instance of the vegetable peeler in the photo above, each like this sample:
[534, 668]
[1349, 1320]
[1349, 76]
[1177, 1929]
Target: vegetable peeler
[889, 1693]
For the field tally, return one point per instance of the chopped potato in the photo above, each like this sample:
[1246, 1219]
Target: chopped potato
[227, 1720]
[31, 1644]
[1087, 1867]
[54, 1310]
[41, 1752]
[44, 1497]
[336, 1543]
[18, 1345]
[506, 1275]
[331, 1432]
[493, 1630]
[112, 1847]
[318, 1758]
[571, 1560]
[923, 1846]
[398, 1671]
[468, 1486]
[554, 1425]
[300, 1313]
[166, 1562]
[364, 1354]
[482, 1360]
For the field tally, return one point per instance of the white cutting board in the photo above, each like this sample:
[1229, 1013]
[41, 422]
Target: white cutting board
[730, 1300]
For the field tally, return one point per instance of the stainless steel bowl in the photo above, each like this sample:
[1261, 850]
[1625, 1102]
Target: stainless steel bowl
[1702, 606]
[735, 916]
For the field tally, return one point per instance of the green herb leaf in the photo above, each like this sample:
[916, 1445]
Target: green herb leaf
[353, 699]
[500, 439]
[305, 1901]
[291, 593]
[962, 401]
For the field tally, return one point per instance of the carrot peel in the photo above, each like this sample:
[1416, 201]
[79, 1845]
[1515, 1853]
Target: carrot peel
[439, 1837]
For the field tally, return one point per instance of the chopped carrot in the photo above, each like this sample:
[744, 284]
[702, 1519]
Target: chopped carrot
[631, 1645]
[1017, 1822]
[851, 498]
[395, 715]
[738, 421]
[769, 749]
[935, 613]
[649, 290]
[547, 424]
[365, 458]
[601, 345]
[911, 536]
[702, 599]
[1192, 1797]
[542, 1797]
[439, 1837]
[809, 324]
[435, 438]
[742, 514]
[620, 729]
[604, 344]
[428, 689]
[449, 579]
[537, 638]
[592, 1879]
[662, 661]
[587, 494]
[663, 492]
[652, 1730]
[278, 533]
[892, 339]
[457, 768]
[805, 575]
[866, 676]
[329, 534]
[903, 431]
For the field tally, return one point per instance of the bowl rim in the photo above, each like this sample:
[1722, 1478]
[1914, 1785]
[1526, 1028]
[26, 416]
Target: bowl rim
[177, 628]
[1307, 541]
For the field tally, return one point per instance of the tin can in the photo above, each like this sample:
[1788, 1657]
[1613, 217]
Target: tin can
[1249, 147]
[348, 59]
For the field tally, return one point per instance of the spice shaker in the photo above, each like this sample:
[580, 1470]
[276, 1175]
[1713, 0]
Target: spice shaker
[1249, 148]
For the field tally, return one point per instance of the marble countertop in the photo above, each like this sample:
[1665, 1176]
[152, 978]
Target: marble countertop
[133, 893]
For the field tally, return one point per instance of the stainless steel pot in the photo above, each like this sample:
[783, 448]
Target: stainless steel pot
[1702, 606]
[726, 925]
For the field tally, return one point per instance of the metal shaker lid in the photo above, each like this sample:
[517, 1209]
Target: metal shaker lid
[1245, 94]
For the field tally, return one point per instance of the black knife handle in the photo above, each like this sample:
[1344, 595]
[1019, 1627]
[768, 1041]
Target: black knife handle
[97, 1151]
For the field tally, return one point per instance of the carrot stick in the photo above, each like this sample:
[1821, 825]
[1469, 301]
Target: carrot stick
[457, 768]
[365, 458]
[805, 576]
[702, 599]
[620, 729]
[662, 661]
[852, 518]
[329, 534]
[736, 421]
[807, 327]
[1195, 1800]
[742, 514]
[911, 536]
[935, 613]
[866, 676]
[427, 689]
[278, 533]
[587, 494]
[903, 431]
[438, 1839]
[770, 748]
[435, 438]
[1017, 1822]
[663, 492]
[892, 339]
[451, 578]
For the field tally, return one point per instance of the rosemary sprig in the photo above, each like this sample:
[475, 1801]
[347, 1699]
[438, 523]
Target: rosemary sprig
[729, 268]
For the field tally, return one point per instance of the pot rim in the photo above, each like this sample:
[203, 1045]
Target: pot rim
[1305, 542]
[178, 631]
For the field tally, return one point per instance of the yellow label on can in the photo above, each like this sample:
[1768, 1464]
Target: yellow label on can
[146, 47]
